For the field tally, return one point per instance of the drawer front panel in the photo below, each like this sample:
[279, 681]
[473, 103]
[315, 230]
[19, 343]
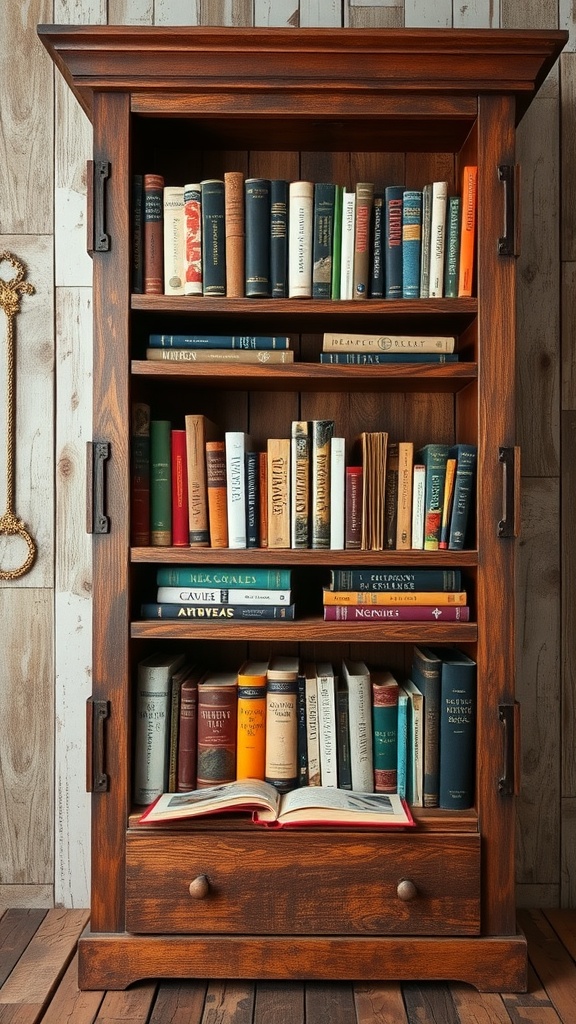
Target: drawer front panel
[296, 883]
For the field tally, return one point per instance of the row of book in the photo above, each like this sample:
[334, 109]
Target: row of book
[199, 486]
[293, 724]
[261, 237]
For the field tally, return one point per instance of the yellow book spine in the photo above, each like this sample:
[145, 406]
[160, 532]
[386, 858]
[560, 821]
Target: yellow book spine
[384, 597]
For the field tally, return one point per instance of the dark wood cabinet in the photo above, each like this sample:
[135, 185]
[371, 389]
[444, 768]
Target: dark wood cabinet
[410, 106]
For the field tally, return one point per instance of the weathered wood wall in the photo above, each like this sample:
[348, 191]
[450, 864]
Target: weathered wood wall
[46, 615]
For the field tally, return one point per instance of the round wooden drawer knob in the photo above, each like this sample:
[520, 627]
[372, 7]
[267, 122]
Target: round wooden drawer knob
[406, 890]
[199, 888]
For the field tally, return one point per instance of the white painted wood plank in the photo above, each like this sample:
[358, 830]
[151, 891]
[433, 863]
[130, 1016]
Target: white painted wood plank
[130, 12]
[73, 150]
[374, 17]
[177, 12]
[73, 605]
[424, 14]
[373, 3]
[529, 13]
[26, 751]
[476, 14]
[80, 12]
[26, 138]
[276, 13]
[567, 20]
[320, 13]
[34, 404]
[227, 12]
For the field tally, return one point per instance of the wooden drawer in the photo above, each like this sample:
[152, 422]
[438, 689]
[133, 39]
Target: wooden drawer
[291, 883]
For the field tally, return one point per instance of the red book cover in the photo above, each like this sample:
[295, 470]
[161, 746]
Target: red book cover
[353, 509]
[395, 613]
[179, 490]
[154, 234]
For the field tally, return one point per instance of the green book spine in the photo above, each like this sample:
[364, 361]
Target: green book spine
[452, 256]
[343, 740]
[337, 242]
[464, 480]
[160, 483]
[177, 576]
[457, 731]
[385, 731]
[433, 457]
[322, 240]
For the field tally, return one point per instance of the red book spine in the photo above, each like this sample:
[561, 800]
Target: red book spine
[154, 234]
[187, 736]
[353, 510]
[179, 490]
[381, 613]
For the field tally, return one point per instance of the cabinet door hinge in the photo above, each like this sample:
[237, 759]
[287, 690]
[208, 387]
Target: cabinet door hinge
[97, 454]
[97, 174]
[509, 782]
[97, 711]
[509, 242]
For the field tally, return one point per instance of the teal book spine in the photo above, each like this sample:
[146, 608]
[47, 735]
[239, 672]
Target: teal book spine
[201, 341]
[278, 238]
[396, 579]
[457, 731]
[393, 241]
[213, 237]
[337, 242]
[452, 253]
[377, 250]
[464, 484]
[381, 358]
[434, 458]
[426, 671]
[385, 733]
[160, 483]
[322, 240]
[411, 243]
[402, 780]
[257, 243]
[178, 576]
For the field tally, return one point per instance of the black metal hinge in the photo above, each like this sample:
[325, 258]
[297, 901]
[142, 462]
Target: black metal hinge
[97, 711]
[98, 239]
[97, 454]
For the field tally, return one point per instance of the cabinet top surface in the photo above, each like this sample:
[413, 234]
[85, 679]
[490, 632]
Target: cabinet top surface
[336, 62]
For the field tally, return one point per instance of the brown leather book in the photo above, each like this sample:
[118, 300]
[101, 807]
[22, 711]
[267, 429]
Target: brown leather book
[234, 221]
[154, 234]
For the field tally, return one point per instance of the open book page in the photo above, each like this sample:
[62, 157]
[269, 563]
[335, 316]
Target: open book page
[316, 804]
[245, 794]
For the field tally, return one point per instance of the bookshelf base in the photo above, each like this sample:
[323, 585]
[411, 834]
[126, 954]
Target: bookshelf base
[490, 963]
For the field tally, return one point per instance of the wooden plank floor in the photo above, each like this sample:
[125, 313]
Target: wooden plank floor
[38, 983]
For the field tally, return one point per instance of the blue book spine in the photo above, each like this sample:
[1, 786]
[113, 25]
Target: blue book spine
[396, 579]
[393, 241]
[377, 252]
[252, 500]
[202, 612]
[257, 244]
[411, 243]
[322, 240]
[217, 341]
[464, 481]
[213, 238]
[402, 748]
[278, 238]
[457, 730]
[381, 358]
[177, 576]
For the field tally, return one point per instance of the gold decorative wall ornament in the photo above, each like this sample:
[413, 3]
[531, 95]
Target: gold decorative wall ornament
[10, 525]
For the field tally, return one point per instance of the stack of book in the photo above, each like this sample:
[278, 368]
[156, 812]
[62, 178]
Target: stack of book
[312, 724]
[191, 592]
[377, 349]
[388, 595]
[199, 486]
[220, 348]
[263, 237]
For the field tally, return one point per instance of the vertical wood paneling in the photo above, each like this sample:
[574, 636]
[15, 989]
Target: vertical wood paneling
[568, 160]
[130, 12]
[178, 12]
[373, 17]
[320, 13]
[276, 13]
[567, 20]
[529, 13]
[227, 12]
[423, 14]
[476, 14]
[568, 608]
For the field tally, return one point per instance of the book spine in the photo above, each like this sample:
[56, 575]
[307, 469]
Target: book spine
[321, 432]
[393, 241]
[217, 729]
[457, 735]
[447, 502]
[179, 489]
[153, 234]
[235, 488]
[361, 737]
[322, 239]
[251, 738]
[282, 734]
[353, 510]
[377, 252]
[343, 740]
[405, 474]
[407, 613]
[312, 737]
[257, 204]
[152, 725]
[213, 238]
[173, 203]
[337, 243]
[301, 202]
[225, 341]
[187, 737]
[278, 238]
[264, 613]
[216, 493]
[391, 497]
[386, 343]
[252, 500]
[416, 748]
[327, 725]
[302, 740]
[217, 355]
[385, 728]
[173, 576]
[418, 504]
[347, 257]
[193, 239]
[160, 483]
[234, 232]
[140, 475]
[383, 358]
[434, 458]
[425, 252]
[137, 233]
[464, 481]
[395, 597]
[426, 668]
[263, 497]
[396, 579]
[452, 255]
[278, 450]
[402, 746]
[364, 201]
[198, 533]
[437, 232]
[300, 484]
[467, 231]
[337, 492]
[223, 595]
[411, 243]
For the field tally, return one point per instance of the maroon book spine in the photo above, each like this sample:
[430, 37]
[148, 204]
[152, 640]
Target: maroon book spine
[153, 234]
[187, 736]
[353, 508]
[414, 613]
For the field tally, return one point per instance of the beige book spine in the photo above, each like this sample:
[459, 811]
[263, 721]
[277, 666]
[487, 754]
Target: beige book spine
[234, 221]
[278, 450]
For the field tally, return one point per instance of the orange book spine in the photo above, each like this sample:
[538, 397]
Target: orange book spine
[467, 231]
[251, 737]
[393, 597]
[234, 227]
[216, 493]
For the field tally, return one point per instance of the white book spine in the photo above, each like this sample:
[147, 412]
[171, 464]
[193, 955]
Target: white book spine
[337, 497]
[174, 245]
[357, 678]
[418, 493]
[312, 730]
[152, 730]
[327, 724]
[437, 235]
[222, 595]
[347, 253]
[301, 205]
[234, 441]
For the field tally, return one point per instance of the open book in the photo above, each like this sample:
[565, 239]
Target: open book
[300, 808]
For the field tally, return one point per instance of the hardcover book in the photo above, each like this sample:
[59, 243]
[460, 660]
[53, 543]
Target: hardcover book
[251, 735]
[347, 255]
[278, 238]
[263, 612]
[343, 735]
[300, 215]
[257, 263]
[378, 578]
[405, 479]
[467, 231]
[300, 484]
[357, 682]
[385, 726]
[353, 509]
[160, 483]
[326, 684]
[236, 445]
[179, 476]
[312, 737]
[152, 724]
[199, 430]
[426, 672]
[401, 613]
[213, 237]
[216, 493]
[220, 576]
[278, 449]
[281, 759]
[322, 243]
[337, 242]
[392, 343]
[217, 355]
[192, 239]
[418, 504]
[321, 432]
[337, 492]
[433, 457]
[173, 202]
[391, 497]
[364, 200]
[188, 732]
[393, 241]
[224, 595]
[394, 597]
[457, 730]
[217, 727]
[379, 358]
[452, 247]
[153, 234]
[234, 229]
[437, 233]
[377, 248]
[252, 469]
[411, 243]
[464, 486]
[415, 743]
[212, 341]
